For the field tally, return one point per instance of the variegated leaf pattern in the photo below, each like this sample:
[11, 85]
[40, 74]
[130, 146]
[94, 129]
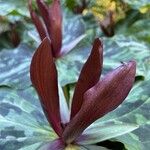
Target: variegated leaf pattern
[22, 121]
[9, 7]
[73, 27]
[137, 4]
[100, 132]
[14, 67]
[122, 48]
[140, 29]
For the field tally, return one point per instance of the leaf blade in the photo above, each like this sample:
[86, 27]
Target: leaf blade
[105, 131]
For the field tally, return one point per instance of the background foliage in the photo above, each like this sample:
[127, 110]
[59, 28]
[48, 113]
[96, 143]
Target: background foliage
[125, 35]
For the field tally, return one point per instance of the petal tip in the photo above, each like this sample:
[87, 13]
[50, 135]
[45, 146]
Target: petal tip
[98, 41]
[132, 63]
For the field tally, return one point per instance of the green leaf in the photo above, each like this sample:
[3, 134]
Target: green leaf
[97, 133]
[31, 147]
[124, 48]
[140, 29]
[133, 142]
[73, 27]
[14, 67]
[14, 7]
[137, 4]
[22, 121]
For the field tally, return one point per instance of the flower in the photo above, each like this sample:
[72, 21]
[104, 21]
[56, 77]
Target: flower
[93, 97]
[52, 26]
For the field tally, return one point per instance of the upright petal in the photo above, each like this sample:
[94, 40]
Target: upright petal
[44, 78]
[44, 10]
[89, 76]
[55, 28]
[37, 22]
[104, 97]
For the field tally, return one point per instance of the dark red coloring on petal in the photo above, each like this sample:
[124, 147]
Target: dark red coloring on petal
[55, 28]
[44, 10]
[52, 17]
[102, 98]
[89, 76]
[44, 78]
[37, 22]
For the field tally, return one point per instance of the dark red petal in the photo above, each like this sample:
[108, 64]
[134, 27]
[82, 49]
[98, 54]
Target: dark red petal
[104, 97]
[53, 20]
[44, 10]
[89, 76]
[55, 28]
[37, 22]
[44, 78]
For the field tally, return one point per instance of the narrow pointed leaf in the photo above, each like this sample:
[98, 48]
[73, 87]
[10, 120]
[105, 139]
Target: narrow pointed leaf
[44, 78]
[104, 97]
[106, 131]
[89, 76]
[37, 22]
[55, 28]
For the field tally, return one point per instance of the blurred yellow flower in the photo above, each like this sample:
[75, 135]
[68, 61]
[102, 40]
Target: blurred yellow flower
[101, 8]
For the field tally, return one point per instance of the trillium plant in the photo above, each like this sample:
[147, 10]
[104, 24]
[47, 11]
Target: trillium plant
[50, 25]
[93, 97]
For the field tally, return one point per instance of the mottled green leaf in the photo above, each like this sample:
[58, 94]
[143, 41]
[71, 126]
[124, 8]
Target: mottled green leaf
[73, 27]
[14, 67]
[97, 133]
[124, 48]
[22, 121]
[31, 147]
[140, 29]
[13, 7]
[137, 4]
